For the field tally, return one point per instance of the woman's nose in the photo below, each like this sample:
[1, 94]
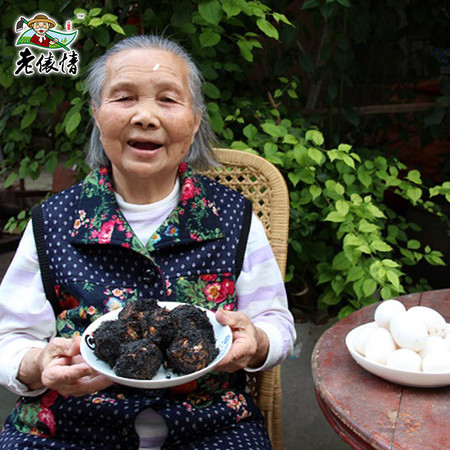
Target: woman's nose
[145, 116]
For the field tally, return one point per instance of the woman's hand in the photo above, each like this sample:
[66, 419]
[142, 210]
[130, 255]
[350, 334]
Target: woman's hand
[60, 366]
[250, 344]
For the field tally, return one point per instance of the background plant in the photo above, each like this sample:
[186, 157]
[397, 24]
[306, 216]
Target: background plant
[345, 242]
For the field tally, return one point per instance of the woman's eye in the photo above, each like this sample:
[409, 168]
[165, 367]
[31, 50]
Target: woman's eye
[123, 99]
[167, 100]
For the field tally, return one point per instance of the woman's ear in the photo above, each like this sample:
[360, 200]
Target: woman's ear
[198, 121]
[94, 110]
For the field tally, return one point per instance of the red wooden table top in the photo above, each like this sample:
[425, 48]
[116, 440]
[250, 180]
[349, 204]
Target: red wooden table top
[369, 412]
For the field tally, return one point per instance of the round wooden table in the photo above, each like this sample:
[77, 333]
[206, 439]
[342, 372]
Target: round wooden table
[368, 412]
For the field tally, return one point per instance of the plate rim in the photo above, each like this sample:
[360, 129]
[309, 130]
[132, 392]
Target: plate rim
[158, 383]
[418, 379]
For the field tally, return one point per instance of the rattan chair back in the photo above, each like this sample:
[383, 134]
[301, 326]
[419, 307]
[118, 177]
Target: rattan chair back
[262, 183]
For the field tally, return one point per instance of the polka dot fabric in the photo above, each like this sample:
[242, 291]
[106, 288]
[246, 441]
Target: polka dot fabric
[98, 265]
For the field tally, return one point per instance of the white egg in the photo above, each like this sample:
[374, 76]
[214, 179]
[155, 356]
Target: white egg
[436, 362]
[435, 344]
[409, 331]
[386, 310]
[360, 338]
[379, 346]
[434, 321]
[447, 336]
[405, 359]
[447, 331]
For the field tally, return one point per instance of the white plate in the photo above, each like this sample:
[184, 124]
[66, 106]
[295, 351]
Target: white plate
[406, 378]
[163, 378]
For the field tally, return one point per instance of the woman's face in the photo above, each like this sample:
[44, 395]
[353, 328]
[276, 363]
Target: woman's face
[146, 120]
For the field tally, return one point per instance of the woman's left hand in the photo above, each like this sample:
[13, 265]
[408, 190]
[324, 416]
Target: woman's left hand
[250, 344]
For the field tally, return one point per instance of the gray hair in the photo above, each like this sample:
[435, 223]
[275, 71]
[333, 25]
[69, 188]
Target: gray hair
[200, 155]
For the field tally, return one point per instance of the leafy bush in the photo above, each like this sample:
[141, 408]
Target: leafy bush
[345, 241]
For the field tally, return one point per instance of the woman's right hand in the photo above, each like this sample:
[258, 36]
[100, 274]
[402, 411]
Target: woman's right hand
[60, 366]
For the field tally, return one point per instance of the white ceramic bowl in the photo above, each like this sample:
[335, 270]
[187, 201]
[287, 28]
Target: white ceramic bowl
[403, 377]
[163, 378]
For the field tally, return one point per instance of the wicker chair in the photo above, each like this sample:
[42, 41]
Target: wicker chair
[259, 181]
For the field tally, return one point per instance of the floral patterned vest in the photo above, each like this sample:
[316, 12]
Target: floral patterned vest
[97, 264]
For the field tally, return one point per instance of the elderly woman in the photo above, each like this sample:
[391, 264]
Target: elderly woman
[143, 224]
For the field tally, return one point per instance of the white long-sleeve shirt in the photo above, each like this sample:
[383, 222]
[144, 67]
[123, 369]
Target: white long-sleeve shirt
[27, 319]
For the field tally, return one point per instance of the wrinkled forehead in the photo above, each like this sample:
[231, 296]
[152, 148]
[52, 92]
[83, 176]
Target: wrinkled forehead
[147, 65]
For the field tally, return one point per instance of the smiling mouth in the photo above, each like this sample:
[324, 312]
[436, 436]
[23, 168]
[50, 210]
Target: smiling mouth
[144, 145]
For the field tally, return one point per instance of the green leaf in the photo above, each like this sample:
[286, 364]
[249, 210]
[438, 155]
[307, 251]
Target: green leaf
[316, 155]
[330, 298]
[209, 38]
[380, 246]
[211, 90]
[95, 22]
[334, 216]
[272, 129]
[231, 7]
[349, 179]
[108, 18]
[217, 122]
[366, 227]
[210, 10]
[414, 193]
[245, 48]
[386, 292]
[267, 28]
[390, 263]
[308, 4]
[345, 3]
[364, 178]
[10, 180]
[315, 191]
[95, 12]
[345, 312]
[344, 147]
[341, 262]
[250, 131]
[394, 279]
[413, 244]
[6, 80]
[375, 211]
[117, 28]
[307, 176]
[73, 122]
[314, 136]
[342, 207]
[290, 139]
[51, 164]
[28, 119]
[351, 239]
[349, 161]
[414, 176]
[101, 35]
[355, 273]
[434, 259]
[338, 285]
[295, 177]
[369, 286]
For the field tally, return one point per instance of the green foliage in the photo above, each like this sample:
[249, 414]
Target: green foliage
[344, 239]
